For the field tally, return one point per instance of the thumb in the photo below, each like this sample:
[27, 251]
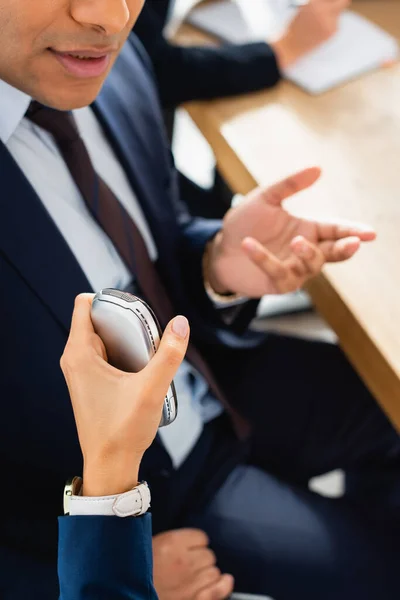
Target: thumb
[294, 184]
[162, 368]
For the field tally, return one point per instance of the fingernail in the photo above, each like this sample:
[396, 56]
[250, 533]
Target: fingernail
[180, 326]
[250, 244]
[304, 250]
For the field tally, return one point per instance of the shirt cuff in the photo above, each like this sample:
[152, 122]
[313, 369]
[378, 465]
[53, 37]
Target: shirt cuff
[219, 300]
[228, 300]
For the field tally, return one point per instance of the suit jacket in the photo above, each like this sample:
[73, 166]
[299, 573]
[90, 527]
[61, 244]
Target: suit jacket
[187, 73]
[105, 558]
[99, 558]
[40, 278]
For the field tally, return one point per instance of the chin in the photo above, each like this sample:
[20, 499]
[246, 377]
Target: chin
[71, 97]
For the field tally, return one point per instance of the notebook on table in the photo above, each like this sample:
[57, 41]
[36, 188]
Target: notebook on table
[357, 48]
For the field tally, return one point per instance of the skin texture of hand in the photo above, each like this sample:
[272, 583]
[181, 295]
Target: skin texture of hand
[184, 567]
[117, 414]
[314, 24]
[263, 249]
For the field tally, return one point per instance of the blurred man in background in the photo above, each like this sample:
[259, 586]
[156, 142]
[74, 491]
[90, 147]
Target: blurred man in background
[186, 73]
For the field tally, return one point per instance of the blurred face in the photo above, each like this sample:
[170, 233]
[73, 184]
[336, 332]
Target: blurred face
[60, 51]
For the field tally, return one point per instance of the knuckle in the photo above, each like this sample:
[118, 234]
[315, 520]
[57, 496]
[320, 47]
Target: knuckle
[178, 537]
[73, 359]
[280, 273]
[273, 196]
[211, 556]
[259, 258]
[212, 592]
[320, 261]
[291, 186]
[199, 538]
[213, 574]
[298, 270]
[63, 362]
[210, 552]
[79, 300]
[165, 548]
[205, 540]
[180, 563]
[164, 545]
[173, 355]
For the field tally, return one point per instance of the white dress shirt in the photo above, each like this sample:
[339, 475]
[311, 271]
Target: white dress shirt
[37, 155]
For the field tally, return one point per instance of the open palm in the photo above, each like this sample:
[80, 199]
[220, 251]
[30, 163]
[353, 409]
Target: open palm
[263, 249]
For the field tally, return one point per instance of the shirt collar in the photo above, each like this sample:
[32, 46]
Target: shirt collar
[13, 106]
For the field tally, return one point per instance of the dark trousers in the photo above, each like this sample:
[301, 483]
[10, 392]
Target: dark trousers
[310, 414]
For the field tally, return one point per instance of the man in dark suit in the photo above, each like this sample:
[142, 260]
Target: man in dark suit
[259, 417]
[186, 73]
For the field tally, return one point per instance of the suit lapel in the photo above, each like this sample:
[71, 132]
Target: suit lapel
[127, 109]
[32, 243]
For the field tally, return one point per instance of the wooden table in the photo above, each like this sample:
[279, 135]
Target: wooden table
[354, 133]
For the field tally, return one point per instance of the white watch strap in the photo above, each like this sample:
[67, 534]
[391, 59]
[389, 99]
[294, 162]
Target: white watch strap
[130, 504]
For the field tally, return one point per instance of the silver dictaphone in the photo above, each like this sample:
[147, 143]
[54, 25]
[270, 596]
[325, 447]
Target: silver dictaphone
[131, 334]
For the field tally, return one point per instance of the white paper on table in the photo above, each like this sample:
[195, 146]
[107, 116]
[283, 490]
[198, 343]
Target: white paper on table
[229, 22]
[357, 48]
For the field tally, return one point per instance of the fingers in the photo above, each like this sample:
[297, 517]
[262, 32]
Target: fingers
[264, 259]
[340, 250]
[162, 368]
[310, 258]
[202, 558]
[223, 588]
[203, 579]
[277, 193]
[209, 584]
[336, 231]
[82, 338]
[190, 538]
[289, 275]
[305, 262]
[81, 325]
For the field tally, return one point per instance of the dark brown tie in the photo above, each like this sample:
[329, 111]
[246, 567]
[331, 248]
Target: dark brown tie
[119, 227]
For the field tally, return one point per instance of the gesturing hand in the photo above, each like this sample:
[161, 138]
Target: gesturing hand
[263, 249]
[117, 414]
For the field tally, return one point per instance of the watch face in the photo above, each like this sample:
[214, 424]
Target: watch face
[72, 487]
[67, 497]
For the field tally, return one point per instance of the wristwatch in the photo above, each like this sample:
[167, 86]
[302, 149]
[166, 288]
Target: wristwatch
[133, 503]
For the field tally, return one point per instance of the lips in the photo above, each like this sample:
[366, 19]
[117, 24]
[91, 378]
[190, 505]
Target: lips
[84, 63]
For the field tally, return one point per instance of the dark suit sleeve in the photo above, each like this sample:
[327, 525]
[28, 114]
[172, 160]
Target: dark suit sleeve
[198, 73]
[105, 558]
[196, 233]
